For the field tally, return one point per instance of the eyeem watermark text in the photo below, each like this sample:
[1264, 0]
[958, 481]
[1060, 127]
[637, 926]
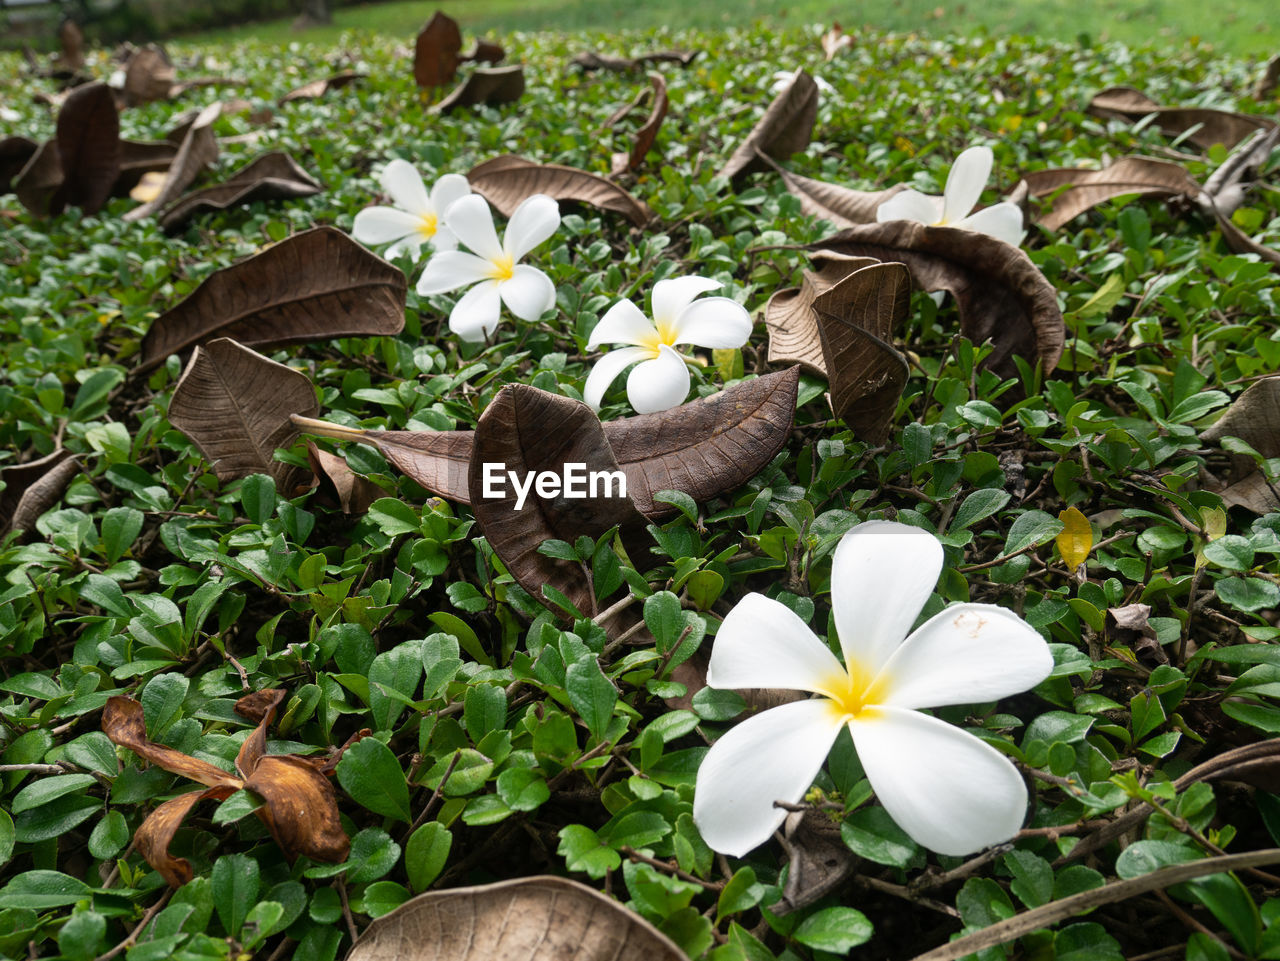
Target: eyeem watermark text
[575, 482]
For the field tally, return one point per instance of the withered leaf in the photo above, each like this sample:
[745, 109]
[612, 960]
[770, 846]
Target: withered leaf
[1238, 242]
[148, 75]
[834, 40]
[272, 176]
[155, 834]
[541, 918]
[857, 319]
[1130, 617]
[124, 723]
[1083, 189]
[1000, 293]
[88, 148]
[40, 180]
[485, 51]
[338, 482]
[1224, 190]
[789, 317]
[1215, 126]
[235, 404]
[1254, 417]
[139, 157]
[843, 206]
[1268, 79]
[15, 152]
[508, 180]
[32, 488]
[530, 431]
[435, 53]
[71, 39]
[820, 860]
[590, 61]
[315, 285]
[487, 85]
[318, 88]
[648, 133]
[199, 148]
[784, 129]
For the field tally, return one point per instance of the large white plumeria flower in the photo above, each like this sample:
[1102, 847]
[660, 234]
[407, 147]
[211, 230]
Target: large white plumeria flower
[968, 176]
[416, 217]
[661, 380]
[493, 269]
[949, 790]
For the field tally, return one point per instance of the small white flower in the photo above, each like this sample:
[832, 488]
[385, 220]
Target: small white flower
[947, 789]
[415, 218]
[661, 379]
[497, 276]
[782, 78]
[9, 116]
[968, 176]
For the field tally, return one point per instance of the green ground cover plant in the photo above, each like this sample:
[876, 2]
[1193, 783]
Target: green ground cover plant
[511, 735]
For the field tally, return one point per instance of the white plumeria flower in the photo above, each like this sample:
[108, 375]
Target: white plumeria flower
[661, 380]
[493, 269]
[947, 789]
[969, 174]
[782, 78]
[415, 218]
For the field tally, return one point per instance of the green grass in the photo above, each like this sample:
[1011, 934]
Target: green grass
[1239, 26]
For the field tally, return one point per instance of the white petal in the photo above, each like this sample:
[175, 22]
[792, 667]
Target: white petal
[451, 269]
[762, 643]
[447, 190]
[444, 238]
[658, 384]
[676, 293]
[950, 791]
[402, 180]
[411, 245]
[528, 293]
[967, 654]
[472, 223]
[882, 574]
[383, 225]
[968, 176]
[535, 220]
[606, 371]
[773, 756]
[713, 322]
[475, 315]
[623, 323]
[938, 296]
[1002, 221]
[909, 205]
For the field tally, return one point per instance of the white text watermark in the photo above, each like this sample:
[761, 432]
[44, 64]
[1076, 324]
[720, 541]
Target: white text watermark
[575, 482]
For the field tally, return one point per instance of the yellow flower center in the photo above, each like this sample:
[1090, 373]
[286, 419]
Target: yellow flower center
[502, 268]
[428, 226]
[663, 333]
[855, 693]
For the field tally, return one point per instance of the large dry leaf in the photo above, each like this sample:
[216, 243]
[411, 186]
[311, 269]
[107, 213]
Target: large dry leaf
[435, 53]
[820, 860]
[1082, 189]
[648, 133]
[1215, 126]
[485, 51]
[784, 129]
[485, 85]
[857, 319]
[124, 723]
[316, 285]
[15, 153]
[198, 150]
[318, 88]
[789, 317]
[339, 484]
[155, 834]
[71, 38]
[541, 918]
[530, 431]
[32, 488]
[88, 148]
[140, 157]
[235, 404]
[37, 183]
[1254, 417]
[507, 181]
[149, 75]
[1000, 293]
[590, 61]
[843, 206]
[1224, 192]
[1268, 79]
[272, 176]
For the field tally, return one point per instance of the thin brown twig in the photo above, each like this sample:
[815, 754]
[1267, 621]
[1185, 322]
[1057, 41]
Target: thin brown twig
[133, 935]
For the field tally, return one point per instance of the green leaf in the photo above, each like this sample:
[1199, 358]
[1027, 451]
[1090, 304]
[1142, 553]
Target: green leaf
[591, 694]
[258, 495]
[871, 833]
[109, 836]
[741, 893]
[48, 789]
[713, 704]
[639, 829]
[982, 902]
[396, 671]
[260, 922]
[664, 618]
[120, 528]
[583, 850]
[235, 888]
[370, 773]
[383, 897]
[470, 771]
[484, 710]
[1031, 527]
[979, 505]
[7, 838]
[1085, 941]
[426, 854]
[82, 935]
[1143, 857]
[41, 890]
[394, 517]
[836, 929]
[1248, 593]
[54, 819]
[1230, 902]
[523, 789]
[1032, 878]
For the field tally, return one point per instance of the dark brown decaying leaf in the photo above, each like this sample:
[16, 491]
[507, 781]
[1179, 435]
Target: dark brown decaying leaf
[272, 176]
[88, 148]
[1001, 294]
[508, 180]
[123, 721]
[15, 152]
[32, 488]
[784, 129]
[199, 148]
[590, 61]
[138, 157]
[1215, 126]
[71, 38]
[857, 319]
[648, 133]
[843, 206]
[315, 285]
[156, 832]
[318, 88]
[435, 53]
[820, 860]
[487, 85]
[541, 918]
[37, 183]
[1083, 189]
[486, 51]
[1254, 417]
[148, 75]
[530, 431]
[1224, 190]
[789, 317]
[235, 404]
[338, 482]
[1268, 79]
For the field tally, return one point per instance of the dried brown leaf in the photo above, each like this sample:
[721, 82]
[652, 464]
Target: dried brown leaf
[32, 488]
[318, 88]
[1215, 126]
[508, 180]
[301, 811]
[315, 285]
[88, 148]
[156, 832]
[71, 39]
[1001, 295]
[843, 206]
[835, 40]
[487, 85]
[37, 183]
[148, 75]
[140, 157]
[648, 133]
[1253, 417]
[15, 153]
[529, 919]
[198, 150]
[339, 484]
[123, 722]
[820, 860]
[1083, 189]
[590, 61]
[271, 176]
[785, 128]
[789, 317]
[235, 404]
[1268, 79]
[435, 53]
[485, 51]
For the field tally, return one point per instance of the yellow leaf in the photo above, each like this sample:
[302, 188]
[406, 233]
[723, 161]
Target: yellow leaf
[148, 188]
[1214, 520]
[1076, 539]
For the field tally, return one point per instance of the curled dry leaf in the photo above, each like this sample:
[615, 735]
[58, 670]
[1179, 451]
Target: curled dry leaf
[1268, 79]
[32, 488]
[1254, 417]
[508, 180]
[316, 285]
[338, 483]
[842, 206]
[88, 147]
[486, 51]
[1224, 192]
[318, 88]
[835, 40]
[785, 128]
[789, 317]
[71, 38]
[1213, 126]
[648, 133]
[40, 179]
[487, 85]
[301, 810]
[540, 918]
[148, 75]
[1074, 190]
[235, 404]
[1000, 293]
[15, 153]
[590, 61]
[141, 157]
[272, 176]
[198, 149]
[820, 860]
[435, 53]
